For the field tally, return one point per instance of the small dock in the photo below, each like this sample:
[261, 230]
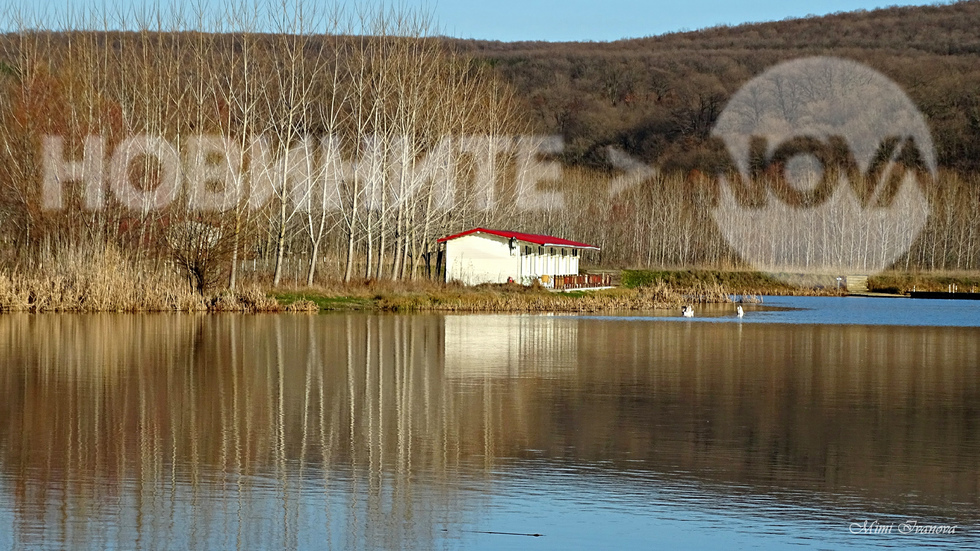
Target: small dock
[856, 284]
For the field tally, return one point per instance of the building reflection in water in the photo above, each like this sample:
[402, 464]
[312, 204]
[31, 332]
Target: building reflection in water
[504, 346]
[363, 430]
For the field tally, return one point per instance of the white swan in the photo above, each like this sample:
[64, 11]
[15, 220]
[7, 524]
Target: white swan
[738, 311]
[687, 311]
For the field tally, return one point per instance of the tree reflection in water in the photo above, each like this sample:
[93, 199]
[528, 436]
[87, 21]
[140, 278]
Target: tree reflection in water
[362, 430]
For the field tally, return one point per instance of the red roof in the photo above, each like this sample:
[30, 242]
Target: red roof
[545, 240]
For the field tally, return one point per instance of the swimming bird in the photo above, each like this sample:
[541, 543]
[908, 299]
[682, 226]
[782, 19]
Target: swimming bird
[738, 311]
[687, 311]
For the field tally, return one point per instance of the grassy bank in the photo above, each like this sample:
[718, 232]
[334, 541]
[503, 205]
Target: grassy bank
[109, 282]
[903, 282]
[428, 296]
[759, 283]
[735, 282]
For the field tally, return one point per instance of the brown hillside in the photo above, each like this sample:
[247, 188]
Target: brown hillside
[658, 97]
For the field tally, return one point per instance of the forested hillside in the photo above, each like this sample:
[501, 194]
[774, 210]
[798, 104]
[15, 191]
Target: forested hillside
[658, 97]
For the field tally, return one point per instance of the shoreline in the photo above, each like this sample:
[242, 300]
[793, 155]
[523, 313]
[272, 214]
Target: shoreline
[637, 290]
[428, 297]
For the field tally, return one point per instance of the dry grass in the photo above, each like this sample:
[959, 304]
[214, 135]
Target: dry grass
[903, 282]
[106, 281]
[739, 282]
[255, 300]
[433, 296]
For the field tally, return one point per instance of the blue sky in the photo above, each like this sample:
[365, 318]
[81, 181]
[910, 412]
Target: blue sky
[589, 20]
[510, 20]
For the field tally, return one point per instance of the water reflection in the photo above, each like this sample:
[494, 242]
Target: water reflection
[509, 346]
[172, 431]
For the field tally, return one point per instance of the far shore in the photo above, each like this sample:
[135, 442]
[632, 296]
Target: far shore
[634, 290]
[408, 297]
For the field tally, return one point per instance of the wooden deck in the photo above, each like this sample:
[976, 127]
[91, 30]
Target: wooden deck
[582, 282]
[856, 284]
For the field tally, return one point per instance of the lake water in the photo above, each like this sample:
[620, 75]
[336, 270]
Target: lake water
[814, 422]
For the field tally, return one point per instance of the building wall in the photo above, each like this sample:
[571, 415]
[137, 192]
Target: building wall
[481, 258]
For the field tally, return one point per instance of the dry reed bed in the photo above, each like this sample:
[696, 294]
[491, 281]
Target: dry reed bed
[514, 298]
[106, 281]
[738, 282]
[59, 294]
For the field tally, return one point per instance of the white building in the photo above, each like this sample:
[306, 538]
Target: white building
[493, 256]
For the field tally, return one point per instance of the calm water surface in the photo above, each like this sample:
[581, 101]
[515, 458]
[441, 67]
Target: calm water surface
[809, 419]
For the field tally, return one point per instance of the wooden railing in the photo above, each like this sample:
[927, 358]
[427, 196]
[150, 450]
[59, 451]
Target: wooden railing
[584, 281]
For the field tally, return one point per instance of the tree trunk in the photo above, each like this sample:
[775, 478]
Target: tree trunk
[349, 267]
[313, 259]
[280, 243]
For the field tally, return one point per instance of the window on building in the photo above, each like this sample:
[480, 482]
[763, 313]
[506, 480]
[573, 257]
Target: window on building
[527, 250]
[552, 251]
[574, 252]
[541, 251]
